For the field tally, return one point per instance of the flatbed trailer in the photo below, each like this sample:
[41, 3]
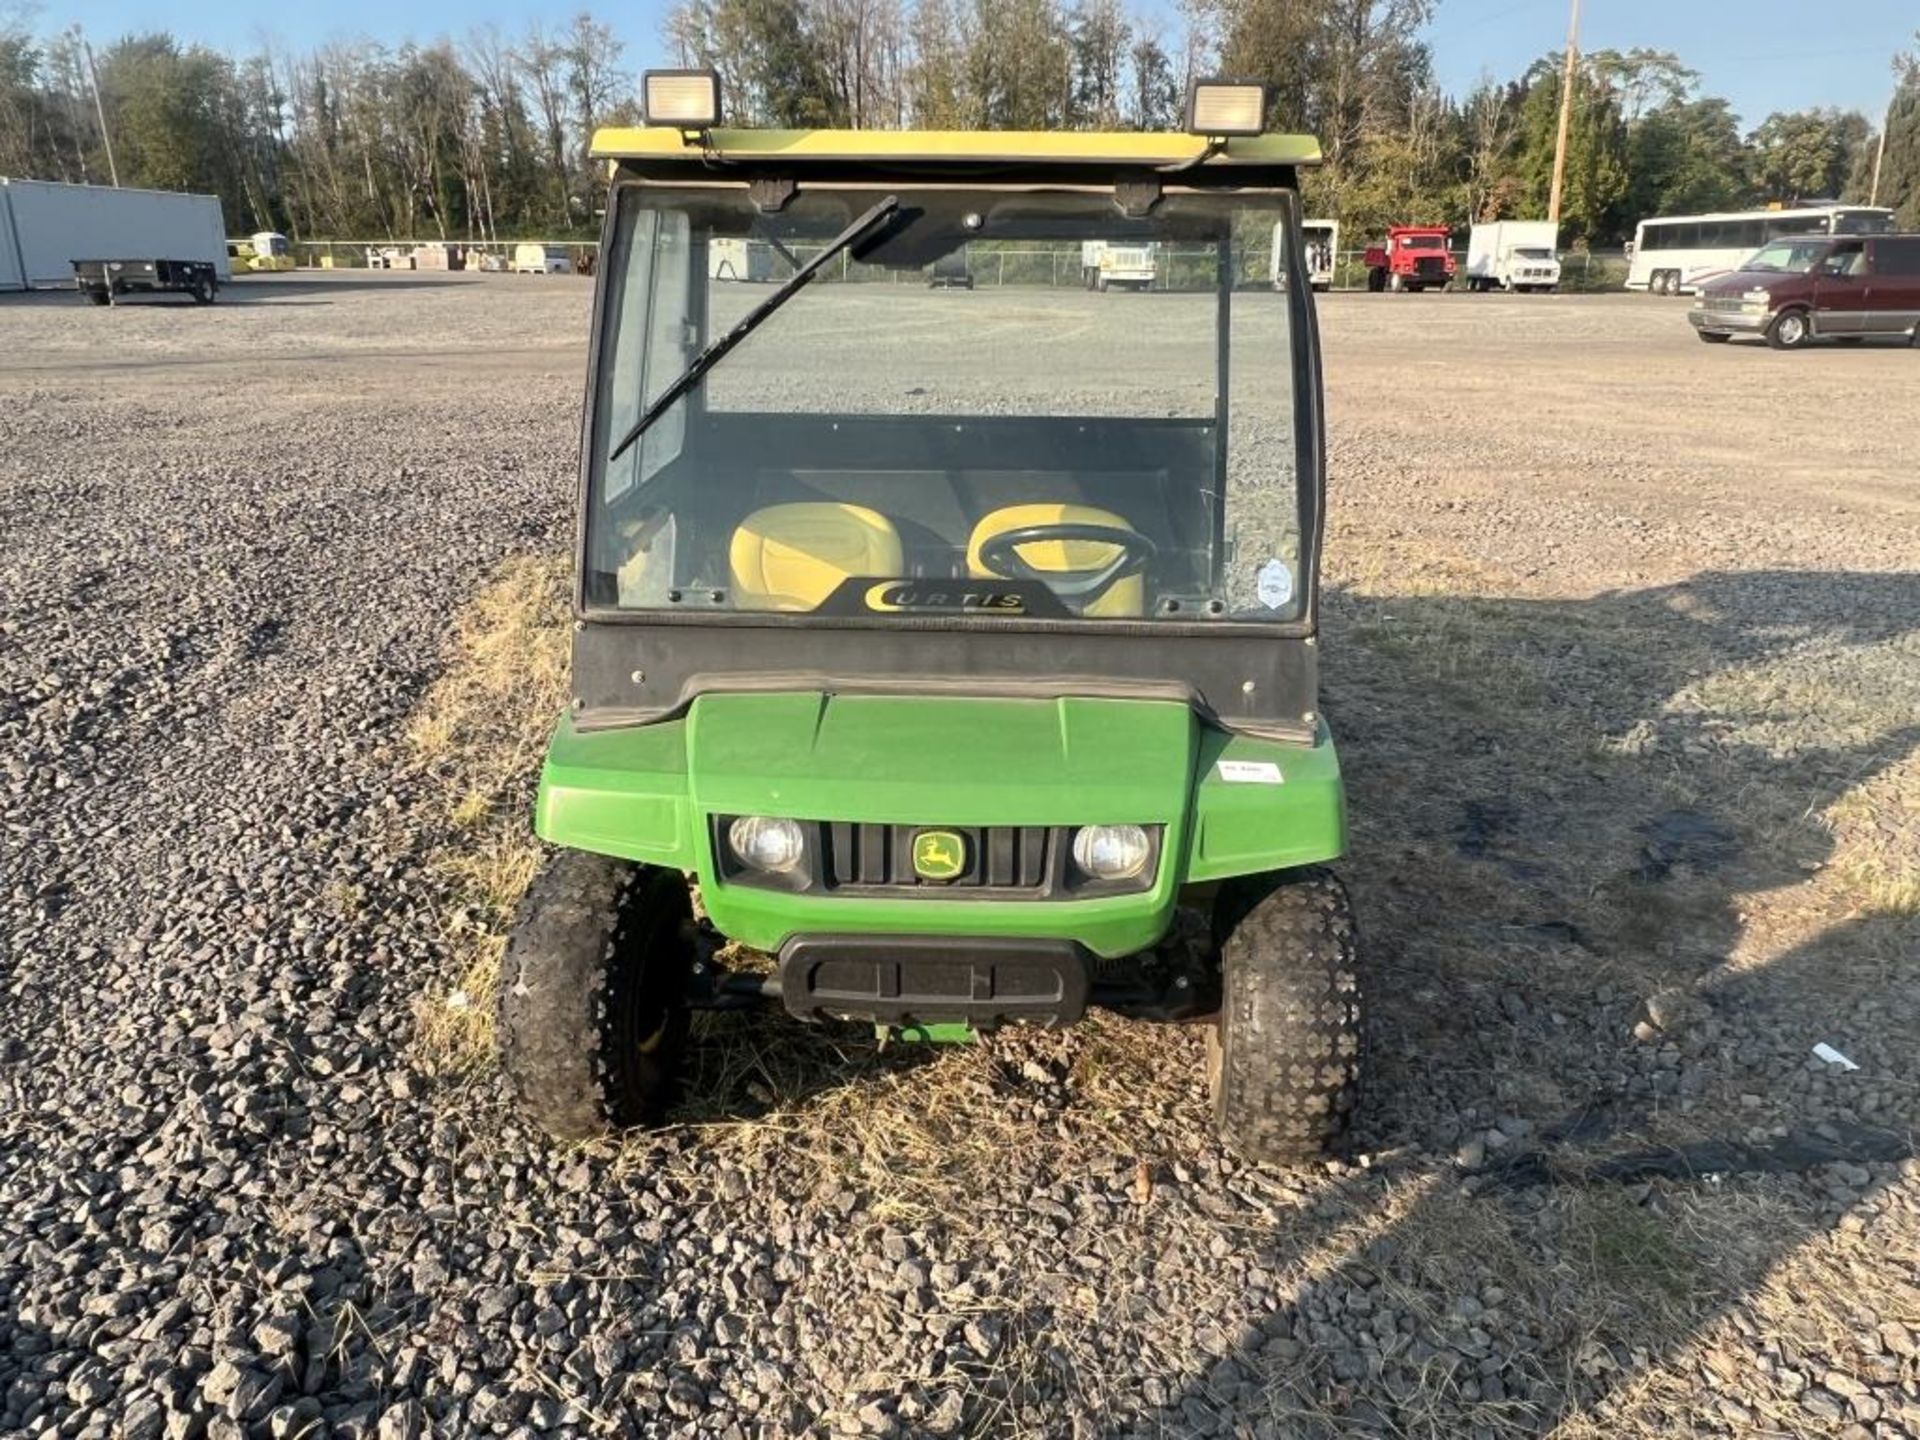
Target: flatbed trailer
[103, 281]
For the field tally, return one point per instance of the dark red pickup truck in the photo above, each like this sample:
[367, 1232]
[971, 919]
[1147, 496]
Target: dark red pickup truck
[1797, 290]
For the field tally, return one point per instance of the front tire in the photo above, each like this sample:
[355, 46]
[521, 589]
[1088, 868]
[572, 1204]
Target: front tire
[593, 987]
[1791, 330]
[1284, 1057]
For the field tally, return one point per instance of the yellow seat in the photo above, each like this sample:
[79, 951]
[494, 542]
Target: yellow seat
[1127, 597]
[791, 557]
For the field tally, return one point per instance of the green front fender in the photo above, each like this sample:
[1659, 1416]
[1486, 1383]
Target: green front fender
[1231, 804]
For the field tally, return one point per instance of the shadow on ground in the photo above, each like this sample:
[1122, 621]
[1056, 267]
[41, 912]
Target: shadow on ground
[1662, 809]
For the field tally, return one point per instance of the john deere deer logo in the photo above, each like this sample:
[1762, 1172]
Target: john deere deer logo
[938, 854]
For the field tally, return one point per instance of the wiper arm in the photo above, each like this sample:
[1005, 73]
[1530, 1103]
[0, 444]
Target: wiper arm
[718, 349]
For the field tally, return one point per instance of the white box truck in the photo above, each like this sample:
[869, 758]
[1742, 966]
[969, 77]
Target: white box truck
[45, 226]
[1106, 266]
[1321, 241]
[1513, 255]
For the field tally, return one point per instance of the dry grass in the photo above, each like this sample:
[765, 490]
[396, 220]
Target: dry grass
[477, 737]
[1876, 832]
[919, 1132]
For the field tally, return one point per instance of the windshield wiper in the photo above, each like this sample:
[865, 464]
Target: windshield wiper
[715, 352]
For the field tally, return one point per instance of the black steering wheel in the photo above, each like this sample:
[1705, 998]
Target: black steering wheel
[1001, 555]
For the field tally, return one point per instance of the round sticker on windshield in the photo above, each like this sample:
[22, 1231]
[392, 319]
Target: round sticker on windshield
[1274, 584]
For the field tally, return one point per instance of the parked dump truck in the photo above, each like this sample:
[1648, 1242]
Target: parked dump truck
[1515, 255]
[1107, 266]
[1320, 245]
[1414, 257]
[45, 226]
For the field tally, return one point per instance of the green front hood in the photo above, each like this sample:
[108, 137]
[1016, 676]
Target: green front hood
[1231, 804]
[940, 761]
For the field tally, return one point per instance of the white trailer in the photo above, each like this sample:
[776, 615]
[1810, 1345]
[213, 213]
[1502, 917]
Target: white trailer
[45, 226]
[1513, 255]
[1321, 241]
[1106, 266]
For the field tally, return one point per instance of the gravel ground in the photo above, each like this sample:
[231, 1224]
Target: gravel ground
[1622, 652]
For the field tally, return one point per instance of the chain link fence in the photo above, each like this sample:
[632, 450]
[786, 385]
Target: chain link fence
[1176, 267]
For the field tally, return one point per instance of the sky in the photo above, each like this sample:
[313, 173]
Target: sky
[1763, 55]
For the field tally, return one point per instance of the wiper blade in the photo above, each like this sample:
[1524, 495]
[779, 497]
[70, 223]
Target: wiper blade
[718, 349]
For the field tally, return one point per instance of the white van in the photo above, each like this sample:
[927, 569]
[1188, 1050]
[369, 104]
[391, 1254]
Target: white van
[541, 260]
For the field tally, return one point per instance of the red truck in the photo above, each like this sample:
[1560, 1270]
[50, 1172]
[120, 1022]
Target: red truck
[1414, 257]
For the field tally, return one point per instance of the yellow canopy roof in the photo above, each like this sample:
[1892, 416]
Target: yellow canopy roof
[960, 146]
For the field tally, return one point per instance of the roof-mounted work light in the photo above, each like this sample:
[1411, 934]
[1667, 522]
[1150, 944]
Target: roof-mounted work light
[684, 99]
[1219, 109]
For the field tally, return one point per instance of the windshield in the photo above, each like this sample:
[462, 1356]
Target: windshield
[965, 414]
[1789, 257]
[1423, 242]
[1533, 252]
[1863, 222]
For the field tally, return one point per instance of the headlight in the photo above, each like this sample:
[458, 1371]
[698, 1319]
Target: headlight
[767, 844]
[1111, 852]
[689, 99]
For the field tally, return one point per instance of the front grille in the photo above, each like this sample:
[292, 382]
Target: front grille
[999, 857]
[1002, 862]
[1430, 266]
[1724, 304]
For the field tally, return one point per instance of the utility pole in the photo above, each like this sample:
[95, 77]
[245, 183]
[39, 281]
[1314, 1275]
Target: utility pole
[99, 110]
[1566, 113]
[1880, 153]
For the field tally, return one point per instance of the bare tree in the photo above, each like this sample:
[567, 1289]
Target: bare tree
[1102, 43]
[543, 63]
[1492, 123]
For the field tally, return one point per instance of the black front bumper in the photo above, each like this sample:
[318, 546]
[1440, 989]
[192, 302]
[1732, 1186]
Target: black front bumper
[900, 980]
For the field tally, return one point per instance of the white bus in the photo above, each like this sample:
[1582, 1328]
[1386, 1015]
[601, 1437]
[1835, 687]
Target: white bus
[1674, 255]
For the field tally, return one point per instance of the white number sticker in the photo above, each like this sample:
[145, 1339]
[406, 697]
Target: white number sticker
[1249, 772]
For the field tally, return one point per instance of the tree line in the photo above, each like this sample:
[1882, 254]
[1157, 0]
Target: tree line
[487, 137]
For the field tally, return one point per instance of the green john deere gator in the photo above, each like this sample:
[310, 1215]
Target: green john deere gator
[953, 647]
